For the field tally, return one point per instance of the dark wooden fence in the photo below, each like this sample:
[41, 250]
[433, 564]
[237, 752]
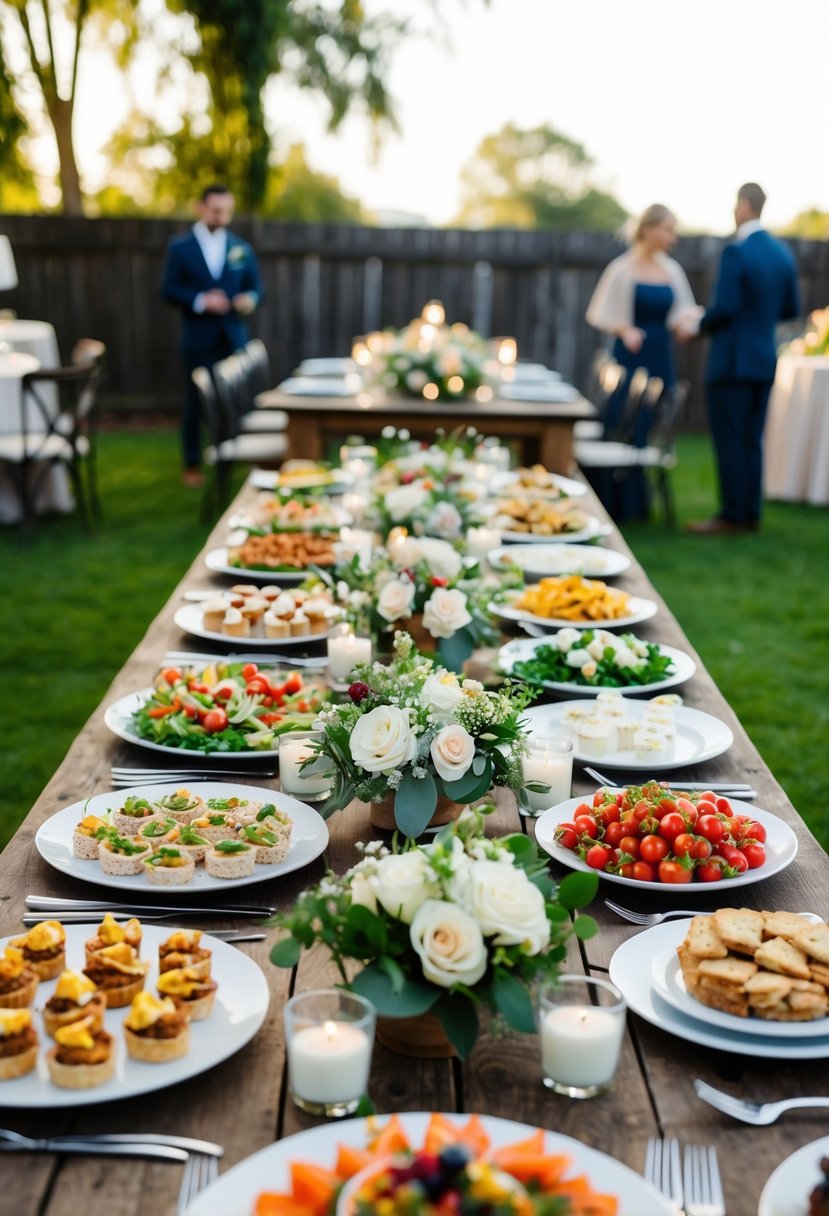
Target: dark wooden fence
[327, 283]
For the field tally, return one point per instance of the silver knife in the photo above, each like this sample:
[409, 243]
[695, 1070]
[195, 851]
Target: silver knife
[53, 903]
[186, 1143]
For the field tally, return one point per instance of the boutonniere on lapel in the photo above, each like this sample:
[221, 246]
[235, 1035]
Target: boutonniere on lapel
[236, 255]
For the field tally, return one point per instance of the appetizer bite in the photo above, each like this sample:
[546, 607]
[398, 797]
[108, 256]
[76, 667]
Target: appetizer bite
[129, 817]
[82, 1056]
[88, 835]
[216, 825]
[155, 1030]
[122, 855]
[230, 859]
[18, 1043]
[18, 980]
[44, 948]
[189, 990]
[190, 842]
[118, 972]
[269, 847]
[170, 867]
[156, 832]
[184, 949]
[110, 932]
[181, 806]
[75, 997]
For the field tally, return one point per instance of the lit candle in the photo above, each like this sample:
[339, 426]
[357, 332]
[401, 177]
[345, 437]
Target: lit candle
[549, 762]
[507, 351]
[580, 1045]
[480, 541]
[356, 542]
[344, 652]
[312, 783]
[329, 1064]
[355, 502]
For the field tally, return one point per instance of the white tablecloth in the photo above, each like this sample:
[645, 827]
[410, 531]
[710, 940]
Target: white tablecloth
[36, 338]
[797, 431]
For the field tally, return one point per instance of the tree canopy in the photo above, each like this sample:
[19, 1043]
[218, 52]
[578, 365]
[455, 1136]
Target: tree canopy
[812, 224]
[534, 178]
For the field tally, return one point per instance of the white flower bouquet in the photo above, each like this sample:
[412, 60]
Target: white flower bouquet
[444, 927]
[417, 731]
[428, 358]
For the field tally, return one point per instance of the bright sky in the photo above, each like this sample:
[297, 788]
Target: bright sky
[676, 103]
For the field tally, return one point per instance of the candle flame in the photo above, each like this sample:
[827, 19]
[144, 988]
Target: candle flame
[330, 1029]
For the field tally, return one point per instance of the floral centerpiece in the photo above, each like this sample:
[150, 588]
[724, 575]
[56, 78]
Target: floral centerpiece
[415, 731]
[428, 358]
[816, 339]
[444, 928]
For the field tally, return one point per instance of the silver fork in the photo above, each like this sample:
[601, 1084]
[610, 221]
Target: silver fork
[663, 1172]
[647, 918]
[199, 1171]
[758, 1113]
[701, 1182]
[677, 785]
[120, 772]
[264, 660]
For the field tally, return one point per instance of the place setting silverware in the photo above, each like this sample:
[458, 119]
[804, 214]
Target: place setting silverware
[54, 904]
[692, 1188]
[739, 791]
[186, 1144]
[123, 778]
[647, 919]
[173, 657]
[760, 1114]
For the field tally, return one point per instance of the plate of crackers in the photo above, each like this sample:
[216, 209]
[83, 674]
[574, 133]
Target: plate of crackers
[631, 970]
[765, 972]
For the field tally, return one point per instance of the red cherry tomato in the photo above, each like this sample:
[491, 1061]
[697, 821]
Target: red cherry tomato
[566, 835]
[752, 830]
[171, 674]
[706, 805]
[711, 870]
[675, 872]
[249, 671]
[631, 845]
[711, 828]
[688, 845]
[688, 811]
[739, 862]
[754, 854]
[643, 871]
[585, 825]
[258, 684]
[190, 711]
[672, 825]
[654, 848]
[723, 806]
[613, 834]
[609, 814]
[293, 684]
[597, 857]
[197, 686]
[626, 870]
[214, 721]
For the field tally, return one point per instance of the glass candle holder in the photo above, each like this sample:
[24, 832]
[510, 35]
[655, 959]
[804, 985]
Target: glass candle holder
[345, 650]
[329, 1035]
[312, 783]
[581, 1021]
[549, 762]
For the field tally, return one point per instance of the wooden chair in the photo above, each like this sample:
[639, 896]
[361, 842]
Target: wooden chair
[50, 435]
[235, 378]
[605, 377]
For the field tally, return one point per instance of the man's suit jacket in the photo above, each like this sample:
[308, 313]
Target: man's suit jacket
[756, 288]
[186, 275]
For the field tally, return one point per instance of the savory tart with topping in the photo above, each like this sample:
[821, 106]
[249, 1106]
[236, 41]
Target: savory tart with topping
[88, 835]
[18, 1043]
[184, 949]
[129, 817]
[230, 859]
[82, 1056]
[181, 806]
[155, 1030]
[156, 831]
[118, 972]
[216, 825]
[75, 997]
[268, 847]
[44, 948]
[123, 855]
[170, 867]
[110, 933]
[18, 980]
[188, 990]
[185, 837]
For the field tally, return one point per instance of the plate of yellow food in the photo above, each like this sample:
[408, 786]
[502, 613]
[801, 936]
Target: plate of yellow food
[572, 599]
[528, 520]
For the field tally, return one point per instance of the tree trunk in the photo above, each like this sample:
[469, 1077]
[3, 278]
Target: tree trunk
[60, 111]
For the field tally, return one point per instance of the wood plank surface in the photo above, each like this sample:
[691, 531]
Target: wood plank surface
[243, 1102]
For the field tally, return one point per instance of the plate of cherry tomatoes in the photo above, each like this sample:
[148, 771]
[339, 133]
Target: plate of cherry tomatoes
[650, 836]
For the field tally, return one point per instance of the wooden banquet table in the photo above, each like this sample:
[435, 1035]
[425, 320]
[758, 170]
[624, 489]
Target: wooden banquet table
[543, 430]
[242, 1103]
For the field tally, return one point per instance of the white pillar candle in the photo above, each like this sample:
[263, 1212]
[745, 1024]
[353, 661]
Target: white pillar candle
[344, 651]
[480, 541]
[359, 542]
[329, 1063]
[551, 765]
[580, 1045]
[311, 783]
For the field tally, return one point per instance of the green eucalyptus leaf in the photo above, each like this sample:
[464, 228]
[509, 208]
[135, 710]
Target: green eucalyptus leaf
[513, 1001]
[470, 785]
[414, 803]
[578, 889]
[585, 927]
[286, 953]
[458, 1017]
[376, 986]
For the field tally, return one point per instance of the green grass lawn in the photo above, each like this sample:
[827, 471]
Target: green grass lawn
[76, 605]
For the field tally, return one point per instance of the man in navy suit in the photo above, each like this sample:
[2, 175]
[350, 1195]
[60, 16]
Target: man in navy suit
[213, 277]
[756, 289]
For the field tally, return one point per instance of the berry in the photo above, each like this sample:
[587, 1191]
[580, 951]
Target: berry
[358, 691]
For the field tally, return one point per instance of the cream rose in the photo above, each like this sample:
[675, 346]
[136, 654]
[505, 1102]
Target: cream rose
[383, 740]
[396, 599]
[452, 751]
[506, 905]
[440, 694]
[449, 944]
[445, 520]
[362, 892]
[405, 500]
[402, 883]
[407, 553]
[443, 559]
[444, 613]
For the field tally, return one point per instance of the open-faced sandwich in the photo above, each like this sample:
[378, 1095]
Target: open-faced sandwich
[269, 848]
[118, 972]
[189, 990]
[44, 948]
[83, 1055]
[18, 1043]
[18, 980]
[75, 997]
[155, 1030]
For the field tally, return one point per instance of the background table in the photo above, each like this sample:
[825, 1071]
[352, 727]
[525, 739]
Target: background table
[243, 1102]
[542, 430]
[36, 338]
[797, 431]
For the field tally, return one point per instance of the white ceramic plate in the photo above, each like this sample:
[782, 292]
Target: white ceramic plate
[239, 1010]
[544, 560]
[630, 971]
[638, 610]
[309, 838]
[699, 736]
[787, 1191]
[669, 982]
[781, 850]
[506, 484]
[553, 392]
[190, 618]
[589, 532]
[235, 1192]
[217, 561]
[524, 648]
[270, 479]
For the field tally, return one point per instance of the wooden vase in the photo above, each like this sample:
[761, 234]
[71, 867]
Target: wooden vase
[422, 1037]
[381, 814]
[412, 625]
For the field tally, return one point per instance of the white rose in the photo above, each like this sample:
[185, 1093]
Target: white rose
[507, 906]
[443, 559]
[445, 520]
[440, 694]
[449, 944]
[444, 613]
[452, 751]
[565, 638]
[407, 553]
[402, 883]
[362, 892]
[578, 657]
[404, 501]
[396, 599]
[383, 740]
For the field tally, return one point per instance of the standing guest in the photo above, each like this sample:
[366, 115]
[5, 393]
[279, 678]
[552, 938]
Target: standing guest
[642, 297]
[212, 276]
[756, 288]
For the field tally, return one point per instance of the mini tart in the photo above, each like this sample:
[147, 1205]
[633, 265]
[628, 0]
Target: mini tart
[188, 990]
[215, 826]
[170, 867]
[156, 1030]
[214, 613]
[44, 949]
[156, 831]
[275, 821]
[129, 817]
[189, 841]
[18, 1043]
[82, 1056]
[122, 855]
[235, 625]
[75, 997]
[269, 847]
[275, 626]
[88, 835]
[230, 859]
[184, 949]
[181, 806]
[18, 980]
[118, 973]
[110, 933]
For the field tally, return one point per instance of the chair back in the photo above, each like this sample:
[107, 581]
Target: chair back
[255, 357]
[214, 415]
[77, 389]
[668, 417]
[231, 381]
[637, 388]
